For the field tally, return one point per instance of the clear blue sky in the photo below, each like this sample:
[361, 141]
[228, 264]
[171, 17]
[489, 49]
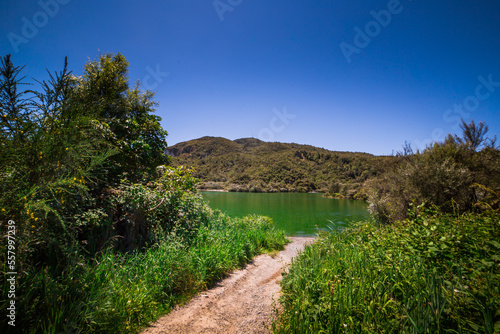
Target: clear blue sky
[355, 75]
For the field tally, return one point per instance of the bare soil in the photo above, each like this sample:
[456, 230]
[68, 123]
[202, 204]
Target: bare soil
[241, 303]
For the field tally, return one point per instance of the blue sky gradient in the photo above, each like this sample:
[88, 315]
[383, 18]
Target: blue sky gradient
[275, 70]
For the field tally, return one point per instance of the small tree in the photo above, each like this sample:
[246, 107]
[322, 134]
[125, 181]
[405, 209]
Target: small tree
[103, 93]
[14, 106]
[451, 174]
[474, 135]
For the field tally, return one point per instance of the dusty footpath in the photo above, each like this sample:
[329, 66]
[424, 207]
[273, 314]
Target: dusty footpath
[241, 303]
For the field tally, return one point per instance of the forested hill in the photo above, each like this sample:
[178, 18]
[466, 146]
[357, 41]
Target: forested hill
[250, 164]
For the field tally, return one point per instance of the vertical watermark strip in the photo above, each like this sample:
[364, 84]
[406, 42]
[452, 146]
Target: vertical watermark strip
[12, 273]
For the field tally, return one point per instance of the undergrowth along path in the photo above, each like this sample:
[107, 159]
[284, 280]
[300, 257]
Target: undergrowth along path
[240, 303]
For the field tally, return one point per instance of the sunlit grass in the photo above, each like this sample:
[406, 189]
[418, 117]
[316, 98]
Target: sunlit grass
[124, 293]
[430, 274]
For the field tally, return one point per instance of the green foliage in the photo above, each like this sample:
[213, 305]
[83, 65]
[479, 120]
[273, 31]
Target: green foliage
[103, 93]
[454, 175]
[474, 136]
[63, 147]
[254, 166]
[123, 294]
[432, 273]
[169, 204]
[103, 243]
[49, 162]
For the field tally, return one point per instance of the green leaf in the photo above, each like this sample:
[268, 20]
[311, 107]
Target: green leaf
[497, 326]
[474, 326]
[488, 263]
[495, 243]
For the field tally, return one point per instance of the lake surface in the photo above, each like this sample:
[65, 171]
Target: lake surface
[297, 214]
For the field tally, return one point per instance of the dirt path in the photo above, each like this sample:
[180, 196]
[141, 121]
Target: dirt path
[241, 303]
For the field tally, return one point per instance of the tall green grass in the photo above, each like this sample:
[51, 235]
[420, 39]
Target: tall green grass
[120, 293]
[432, 273]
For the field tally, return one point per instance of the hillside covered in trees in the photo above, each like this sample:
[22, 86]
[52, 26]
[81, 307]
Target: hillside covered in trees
[250, 164]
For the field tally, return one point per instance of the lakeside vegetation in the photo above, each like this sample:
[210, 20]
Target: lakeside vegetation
[251, 165]
[107, 236]
[429, 261]
[431, 273]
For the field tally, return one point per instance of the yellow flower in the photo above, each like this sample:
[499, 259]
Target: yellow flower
[33, 226]
[3, 210]
[74, 179]
[36, 218]
[66, 148]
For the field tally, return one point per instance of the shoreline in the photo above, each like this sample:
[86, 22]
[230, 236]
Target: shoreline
[325, 195]
[259, 192]
[213, 190]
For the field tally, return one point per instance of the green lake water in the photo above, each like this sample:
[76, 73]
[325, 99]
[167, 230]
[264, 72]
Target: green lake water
[297, 214]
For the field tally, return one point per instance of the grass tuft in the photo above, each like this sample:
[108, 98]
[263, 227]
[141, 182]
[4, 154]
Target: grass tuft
[123, 293]
[433, 273]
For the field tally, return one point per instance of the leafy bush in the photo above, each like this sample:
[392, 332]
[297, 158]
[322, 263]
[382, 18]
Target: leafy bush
[458, 175]
[432, 273]
[103, 244]
[65, 149]
[122, 294]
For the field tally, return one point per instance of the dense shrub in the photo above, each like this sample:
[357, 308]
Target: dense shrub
[113, 293]
[432, 273]
[434, 269]
[65, 150]
[457, 175]
[103, 243]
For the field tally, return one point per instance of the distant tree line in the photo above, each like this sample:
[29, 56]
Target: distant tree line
[254, 166]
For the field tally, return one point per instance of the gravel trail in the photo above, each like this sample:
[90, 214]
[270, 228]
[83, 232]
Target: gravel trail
[240, 303]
